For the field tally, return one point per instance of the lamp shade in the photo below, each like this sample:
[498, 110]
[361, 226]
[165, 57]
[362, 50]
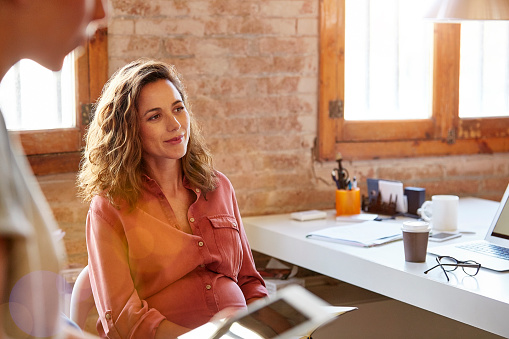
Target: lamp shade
[459, 10]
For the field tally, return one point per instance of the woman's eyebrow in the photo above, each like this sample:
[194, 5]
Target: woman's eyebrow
[151, 110]
[158, 108]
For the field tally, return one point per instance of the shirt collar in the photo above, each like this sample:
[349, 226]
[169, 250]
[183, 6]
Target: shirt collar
[152, 186]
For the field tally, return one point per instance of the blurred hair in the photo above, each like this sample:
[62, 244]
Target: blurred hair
[112, 163]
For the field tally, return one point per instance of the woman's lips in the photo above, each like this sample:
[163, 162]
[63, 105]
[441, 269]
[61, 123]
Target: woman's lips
[175, 140]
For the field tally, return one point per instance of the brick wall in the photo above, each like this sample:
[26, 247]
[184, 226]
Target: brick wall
[251, 68]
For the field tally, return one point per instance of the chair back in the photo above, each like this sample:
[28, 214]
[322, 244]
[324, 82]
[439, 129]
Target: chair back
[82, 299]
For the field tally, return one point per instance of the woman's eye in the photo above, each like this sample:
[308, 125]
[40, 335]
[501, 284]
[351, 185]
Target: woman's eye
[180, 108]
[154, 117]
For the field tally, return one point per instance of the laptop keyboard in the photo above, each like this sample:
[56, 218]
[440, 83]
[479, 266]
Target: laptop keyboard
[488, 249]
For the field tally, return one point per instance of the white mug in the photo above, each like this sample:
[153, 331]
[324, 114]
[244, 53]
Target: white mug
[441, 212]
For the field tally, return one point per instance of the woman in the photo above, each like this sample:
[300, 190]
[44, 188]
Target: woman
[167, 249]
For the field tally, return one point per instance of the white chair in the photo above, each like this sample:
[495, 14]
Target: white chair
[82, 299]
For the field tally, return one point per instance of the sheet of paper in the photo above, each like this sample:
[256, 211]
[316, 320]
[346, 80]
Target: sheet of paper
[393, 191]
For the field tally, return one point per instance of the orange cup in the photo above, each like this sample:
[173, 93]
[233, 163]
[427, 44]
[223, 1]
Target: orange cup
[348, 201]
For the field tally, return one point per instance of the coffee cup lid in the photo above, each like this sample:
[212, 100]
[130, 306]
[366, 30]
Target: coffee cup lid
[416, 226]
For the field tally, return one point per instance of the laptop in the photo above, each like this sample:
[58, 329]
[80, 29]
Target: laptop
[493, 251]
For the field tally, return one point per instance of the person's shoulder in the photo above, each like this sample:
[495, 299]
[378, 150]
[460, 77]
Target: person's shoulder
[222, 180]
[101, 203]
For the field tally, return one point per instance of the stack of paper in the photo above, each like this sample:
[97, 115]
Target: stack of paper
[365, 234]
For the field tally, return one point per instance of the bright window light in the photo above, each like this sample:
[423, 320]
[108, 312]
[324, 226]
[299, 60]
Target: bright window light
[484, 69]
[388, 60]
[34, 98]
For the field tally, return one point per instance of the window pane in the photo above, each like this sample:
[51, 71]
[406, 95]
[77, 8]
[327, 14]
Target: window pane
[33, 97]
[484, 69]
[388, 60]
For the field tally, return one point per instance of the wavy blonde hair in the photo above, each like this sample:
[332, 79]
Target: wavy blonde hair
[112, 163]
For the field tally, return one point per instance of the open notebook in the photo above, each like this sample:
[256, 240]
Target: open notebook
[294, 312]
[493, 251]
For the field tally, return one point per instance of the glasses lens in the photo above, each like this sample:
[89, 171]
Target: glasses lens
[471, 270]
[448, 263]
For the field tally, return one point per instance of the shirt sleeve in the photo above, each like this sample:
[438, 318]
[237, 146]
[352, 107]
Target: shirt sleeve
[249, 279]
[121, 312]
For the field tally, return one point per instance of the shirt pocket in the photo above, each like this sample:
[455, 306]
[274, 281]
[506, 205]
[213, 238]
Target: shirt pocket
[228, 243]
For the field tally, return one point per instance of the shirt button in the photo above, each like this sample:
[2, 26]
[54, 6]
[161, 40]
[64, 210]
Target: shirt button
[208, 287]
[200, 243]
[191, 220]
[234, 224]
[107, 316]
[197, 190]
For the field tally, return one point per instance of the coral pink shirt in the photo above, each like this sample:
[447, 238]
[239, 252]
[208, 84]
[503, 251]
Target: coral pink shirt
[143, 269]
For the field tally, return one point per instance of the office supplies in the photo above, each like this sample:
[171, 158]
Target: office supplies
[340, 175]
[392, 191]
[379, 202]
[381, 269]
[372, 189]
[493, 251]
[292, 313]
[348, 201]
[364, 234]
[354, 182]
[308, 215]
[415, 198]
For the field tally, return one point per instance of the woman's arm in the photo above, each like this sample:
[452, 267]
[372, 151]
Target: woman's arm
[122, 312]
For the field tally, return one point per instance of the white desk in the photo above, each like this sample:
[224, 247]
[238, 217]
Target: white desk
[481, 301]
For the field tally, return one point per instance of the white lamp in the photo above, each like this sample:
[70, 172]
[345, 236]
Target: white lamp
[459, 10]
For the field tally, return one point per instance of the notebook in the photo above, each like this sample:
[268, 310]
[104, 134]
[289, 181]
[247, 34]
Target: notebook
[489, 252]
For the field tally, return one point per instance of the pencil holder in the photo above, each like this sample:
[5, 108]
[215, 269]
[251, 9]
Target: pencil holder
[348, 201]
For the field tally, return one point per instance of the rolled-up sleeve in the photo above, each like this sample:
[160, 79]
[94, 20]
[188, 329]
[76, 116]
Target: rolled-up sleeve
[121, 311]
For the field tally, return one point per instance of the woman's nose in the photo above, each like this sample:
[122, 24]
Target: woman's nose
[172, 123]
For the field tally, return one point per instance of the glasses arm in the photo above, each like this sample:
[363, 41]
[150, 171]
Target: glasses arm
[443, 269]
[426, 272]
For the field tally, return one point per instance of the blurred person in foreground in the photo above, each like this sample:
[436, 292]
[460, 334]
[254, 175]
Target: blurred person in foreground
[44, 31]
[167, 250]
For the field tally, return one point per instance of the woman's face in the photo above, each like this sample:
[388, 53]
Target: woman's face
[164, 122]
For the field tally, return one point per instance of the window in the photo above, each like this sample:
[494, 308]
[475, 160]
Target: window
[484, 69]
[417, 106]
[53, 144]
[33, 97]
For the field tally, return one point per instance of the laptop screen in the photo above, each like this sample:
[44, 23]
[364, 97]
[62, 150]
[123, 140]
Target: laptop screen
[501, 229]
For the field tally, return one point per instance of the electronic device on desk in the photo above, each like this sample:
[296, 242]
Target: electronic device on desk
[443, 236]
[294, 312]
[493, 251]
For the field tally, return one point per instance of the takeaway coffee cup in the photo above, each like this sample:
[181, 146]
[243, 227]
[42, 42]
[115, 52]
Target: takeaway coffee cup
[415, 240]
[441, 212]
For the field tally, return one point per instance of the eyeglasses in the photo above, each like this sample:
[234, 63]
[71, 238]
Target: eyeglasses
[449, 264]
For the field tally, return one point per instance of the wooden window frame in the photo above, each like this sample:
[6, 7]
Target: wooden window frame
[59, 150]
[443, 134]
